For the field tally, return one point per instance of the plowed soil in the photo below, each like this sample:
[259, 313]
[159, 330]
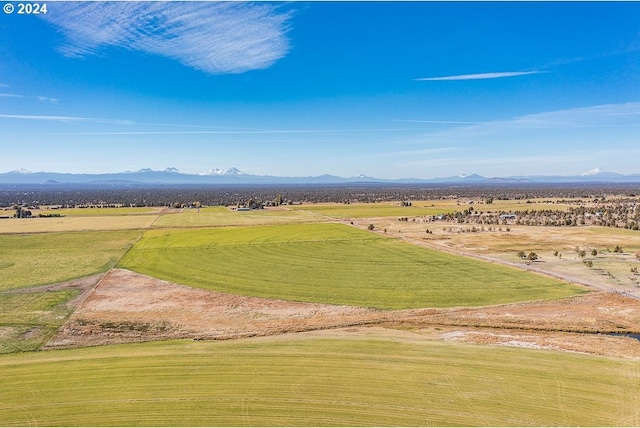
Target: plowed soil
[128, 307]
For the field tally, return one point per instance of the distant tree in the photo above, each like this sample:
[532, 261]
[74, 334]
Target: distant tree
[522, 254]
[22, 213]
[532, 256]
[488, 200]
[594, 252]
[371, 227]
[618, 249]
[588, 263]
[582, 253]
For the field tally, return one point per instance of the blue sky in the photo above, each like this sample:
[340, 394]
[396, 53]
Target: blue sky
[390, 90]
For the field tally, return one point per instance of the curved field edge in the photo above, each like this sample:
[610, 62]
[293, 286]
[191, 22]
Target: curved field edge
[317, 382]
[334, 264]
[47, 258]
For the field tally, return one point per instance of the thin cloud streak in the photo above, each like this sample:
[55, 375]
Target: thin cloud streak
[541, 139]
[444, 122]
[11, 96]
[245, 131]
[482, 76]
[214, 37]
[50, 118]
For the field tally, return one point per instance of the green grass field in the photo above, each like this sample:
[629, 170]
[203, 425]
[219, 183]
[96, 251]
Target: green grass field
[316, 382]
[382, 209]
[28, 318]
[46, 258]
[223, 216]
[331, 263]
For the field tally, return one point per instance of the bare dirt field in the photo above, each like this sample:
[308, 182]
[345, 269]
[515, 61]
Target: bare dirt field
[128, 307]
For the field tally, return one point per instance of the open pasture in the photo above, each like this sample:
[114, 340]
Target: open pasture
[425, 208]
[101, 212]
[331, 263]
[609, 270]
[223, 216]
[298, 381]
[28, 318]
[380, 209]
[75, 223]
[47, 258]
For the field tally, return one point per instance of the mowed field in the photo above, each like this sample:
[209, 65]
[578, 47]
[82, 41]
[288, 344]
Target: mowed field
[45, 258]
[331, 263]
[353, 377]
[298, 381]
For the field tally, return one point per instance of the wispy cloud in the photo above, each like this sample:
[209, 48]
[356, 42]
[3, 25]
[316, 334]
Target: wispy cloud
[49, 100]
[430, 151]
[53, 118]
[576, 138]
[65, 119]
[11, 96]
[443, 122]
[481, 76]
[215, 37]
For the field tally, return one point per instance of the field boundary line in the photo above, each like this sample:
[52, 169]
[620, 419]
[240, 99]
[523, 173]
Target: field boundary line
[526, 268]
[91, 290]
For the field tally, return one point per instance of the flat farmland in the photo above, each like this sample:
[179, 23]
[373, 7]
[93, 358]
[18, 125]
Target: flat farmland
[101, 212]
[76, 223]
[334, 264]
[381, 209]
[425, 208]
[223, 216]
[29, 318]
[46, 258]
[300, 320]
[609, 270]
[316, 381]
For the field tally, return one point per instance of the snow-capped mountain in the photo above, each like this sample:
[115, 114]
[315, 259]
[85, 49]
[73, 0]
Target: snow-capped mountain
[594, 171]
[230, 171]
[21, 171]
[599, 173]
[172, 176]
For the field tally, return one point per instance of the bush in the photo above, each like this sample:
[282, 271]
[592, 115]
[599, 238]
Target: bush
[371, 227]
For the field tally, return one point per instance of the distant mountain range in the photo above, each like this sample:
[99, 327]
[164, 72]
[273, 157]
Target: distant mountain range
[235, 176]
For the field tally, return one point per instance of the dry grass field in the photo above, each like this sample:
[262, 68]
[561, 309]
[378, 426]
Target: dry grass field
[76, 223]
[609, 270]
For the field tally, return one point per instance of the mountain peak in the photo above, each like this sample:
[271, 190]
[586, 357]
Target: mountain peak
[230, 171]
[594, 171]
[21, 171]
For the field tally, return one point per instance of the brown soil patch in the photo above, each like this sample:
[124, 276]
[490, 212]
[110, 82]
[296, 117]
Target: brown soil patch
[128, 307]
[578, 324]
